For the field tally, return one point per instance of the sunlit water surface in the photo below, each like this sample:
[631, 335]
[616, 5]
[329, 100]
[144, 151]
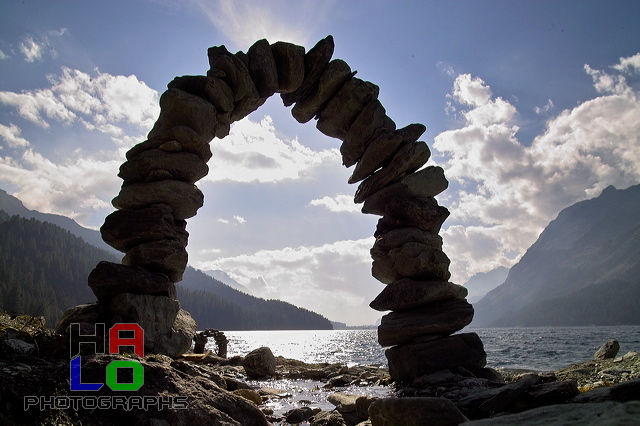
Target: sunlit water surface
[536, 349]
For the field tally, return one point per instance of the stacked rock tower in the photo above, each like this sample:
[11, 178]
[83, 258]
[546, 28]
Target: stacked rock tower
[158, 195]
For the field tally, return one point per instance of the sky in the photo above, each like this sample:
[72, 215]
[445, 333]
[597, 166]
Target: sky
[530, 107]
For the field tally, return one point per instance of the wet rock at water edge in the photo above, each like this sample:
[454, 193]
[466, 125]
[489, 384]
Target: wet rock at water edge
[609, 349]
[415, 412]
[259, 363]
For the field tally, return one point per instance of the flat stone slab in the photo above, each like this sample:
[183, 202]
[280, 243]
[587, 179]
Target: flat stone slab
[408, 294]
[443, 318]
[428, 182]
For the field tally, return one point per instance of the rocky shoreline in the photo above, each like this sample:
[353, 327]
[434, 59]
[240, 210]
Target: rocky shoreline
[243, 390]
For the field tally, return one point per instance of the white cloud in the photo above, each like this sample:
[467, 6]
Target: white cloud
[225, 221]
[210, 251]
[607, 83]
[253, 153]
[508, 191]
[241, 220]
[11, 134]
[340, 203]
[102, 102]
[545, 109]
[77, 188]
[3, 55]
[629, 65]
[333, 279]
[31, 50]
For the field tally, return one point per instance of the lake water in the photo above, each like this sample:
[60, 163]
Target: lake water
[537, 349]
[534, 348]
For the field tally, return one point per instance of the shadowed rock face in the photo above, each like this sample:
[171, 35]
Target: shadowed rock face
[158, 194]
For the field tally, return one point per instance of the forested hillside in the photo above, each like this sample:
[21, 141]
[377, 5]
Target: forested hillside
[44, 269]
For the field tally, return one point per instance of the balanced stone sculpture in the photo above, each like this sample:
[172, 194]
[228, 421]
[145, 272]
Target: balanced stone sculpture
[158, 194]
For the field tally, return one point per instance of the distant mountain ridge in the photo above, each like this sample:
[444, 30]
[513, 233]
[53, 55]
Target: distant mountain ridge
[483, 282]
[223, 277]
[589, 256]
[13, 206]
[44, 269]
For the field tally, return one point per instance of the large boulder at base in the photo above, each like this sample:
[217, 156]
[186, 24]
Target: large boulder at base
[167, 329]
[415, 412]
[178, 108]
[412, 360]
[408, 294]
[260, 363]
[328, 418]
[184, 198]
[595, 414]
[428, 182]
[608, 350]
[344, 402]
[108, 279]
[88, 314]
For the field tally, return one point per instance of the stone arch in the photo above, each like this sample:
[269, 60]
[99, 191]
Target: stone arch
[159, 193]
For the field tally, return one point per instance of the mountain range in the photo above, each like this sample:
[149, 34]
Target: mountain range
[45, 260]
[584, 269]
